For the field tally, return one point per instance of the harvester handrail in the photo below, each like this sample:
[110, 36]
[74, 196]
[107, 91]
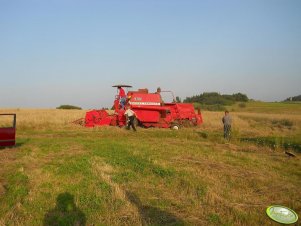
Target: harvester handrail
[173, 96]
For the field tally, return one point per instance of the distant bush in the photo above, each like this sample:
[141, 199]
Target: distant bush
[295, 98]
[214, 98]
[66, 106]
[240, 97]
[242, 105]
[178, 99]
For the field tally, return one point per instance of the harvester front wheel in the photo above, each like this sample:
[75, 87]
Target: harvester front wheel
[175, 126]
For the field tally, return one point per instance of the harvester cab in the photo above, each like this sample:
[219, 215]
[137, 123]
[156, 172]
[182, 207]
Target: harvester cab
[150, 109]
[120, 97]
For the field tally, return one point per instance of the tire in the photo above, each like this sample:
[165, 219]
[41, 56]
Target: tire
[175, 126]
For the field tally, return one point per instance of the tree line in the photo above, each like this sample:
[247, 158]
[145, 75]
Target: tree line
[213, 101]
[295, 98]
[212, 98]
[67, 106]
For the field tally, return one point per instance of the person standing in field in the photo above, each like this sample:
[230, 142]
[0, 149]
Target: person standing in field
[227, 121]
[122, 97]
[131, 115]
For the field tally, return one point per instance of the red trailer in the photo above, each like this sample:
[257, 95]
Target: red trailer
[7, 130]
[150, 109]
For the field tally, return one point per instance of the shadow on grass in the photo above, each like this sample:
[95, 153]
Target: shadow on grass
[19, 143]
[152, 215]
[65, 212]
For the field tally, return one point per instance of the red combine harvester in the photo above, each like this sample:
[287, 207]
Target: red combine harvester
[150, 109]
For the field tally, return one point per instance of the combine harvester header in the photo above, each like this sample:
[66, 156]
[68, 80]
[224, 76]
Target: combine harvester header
[150, 109]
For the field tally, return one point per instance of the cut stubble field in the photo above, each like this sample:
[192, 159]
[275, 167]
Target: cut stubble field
[67, 174]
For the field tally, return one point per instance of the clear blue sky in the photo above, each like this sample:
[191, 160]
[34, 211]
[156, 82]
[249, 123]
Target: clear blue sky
[72, 52]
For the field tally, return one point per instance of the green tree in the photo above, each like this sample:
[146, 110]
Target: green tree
[214, 98]
[66, 106]
[178, 99]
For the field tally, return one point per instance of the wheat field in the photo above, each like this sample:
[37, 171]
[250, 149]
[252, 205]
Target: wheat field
[245, 122]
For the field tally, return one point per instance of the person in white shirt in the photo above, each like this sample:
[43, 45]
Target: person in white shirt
[131, 115]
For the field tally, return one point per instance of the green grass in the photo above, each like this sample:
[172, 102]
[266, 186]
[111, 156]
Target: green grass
[110, 176]
[286, 143]
[16, 190]
[268, 107]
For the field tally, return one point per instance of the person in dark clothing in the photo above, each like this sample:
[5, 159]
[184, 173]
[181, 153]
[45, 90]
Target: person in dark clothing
[227, 121]
[131, 115]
